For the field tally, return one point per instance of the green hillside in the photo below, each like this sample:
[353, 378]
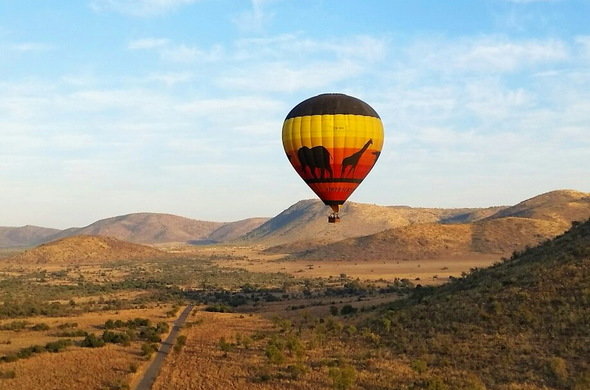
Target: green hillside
[523, 322]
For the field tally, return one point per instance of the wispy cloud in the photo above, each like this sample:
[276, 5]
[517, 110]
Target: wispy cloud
[255, 18]
[24, 47]
[177, 52]
[172, 78]
[488, 54]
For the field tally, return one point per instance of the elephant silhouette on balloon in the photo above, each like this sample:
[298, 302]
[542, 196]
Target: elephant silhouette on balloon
[317, 157]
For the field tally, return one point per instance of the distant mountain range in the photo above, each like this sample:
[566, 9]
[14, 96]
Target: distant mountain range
[145, 228]
[508, 229]
[366, 231]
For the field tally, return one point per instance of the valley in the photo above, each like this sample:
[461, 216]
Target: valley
[392, 297]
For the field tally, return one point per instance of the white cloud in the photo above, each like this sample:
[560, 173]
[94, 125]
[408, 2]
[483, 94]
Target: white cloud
[172, 78]
[509, 56]
[583, 43]
[489, 54]
[180, 53]
[287, 77]
[361, 47]
[188, 54]
[254, 19]
[138, 7]
[31, 47]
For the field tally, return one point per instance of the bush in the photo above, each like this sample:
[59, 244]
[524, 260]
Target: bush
[58, 346]
[274, 355]
[148, 349]
[14, 325]
[419, 366]
[67, 325]
[9, 358]
[296, 371]
[180, 342]
[115, 337]
[348, 309]
[162, 327]
[224, 345]
[73, 333]
[558, 369]
[91, 341]
[40, 327]
[7, 374]
[218, 308]
[342, 377]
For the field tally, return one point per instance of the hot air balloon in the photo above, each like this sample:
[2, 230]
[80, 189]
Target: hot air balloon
[333, 141]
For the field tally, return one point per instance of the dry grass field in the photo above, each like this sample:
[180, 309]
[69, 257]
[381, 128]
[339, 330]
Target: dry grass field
[89, 322]
[424, 271]
[75, 369]
[109, 367]
[242, 360]
[201, 363]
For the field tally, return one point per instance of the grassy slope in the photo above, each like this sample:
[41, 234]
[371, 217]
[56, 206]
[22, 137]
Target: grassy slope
[522, 321]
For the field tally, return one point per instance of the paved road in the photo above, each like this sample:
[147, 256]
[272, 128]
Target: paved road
[150, 375]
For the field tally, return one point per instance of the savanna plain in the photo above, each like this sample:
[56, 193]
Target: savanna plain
[446, 312]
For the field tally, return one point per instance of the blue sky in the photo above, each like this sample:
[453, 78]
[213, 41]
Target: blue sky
[109, 107]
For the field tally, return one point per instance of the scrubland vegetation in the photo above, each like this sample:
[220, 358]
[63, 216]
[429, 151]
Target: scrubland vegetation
[520, 324]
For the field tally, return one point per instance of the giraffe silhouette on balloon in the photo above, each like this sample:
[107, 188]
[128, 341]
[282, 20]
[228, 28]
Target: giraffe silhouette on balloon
[352, 161]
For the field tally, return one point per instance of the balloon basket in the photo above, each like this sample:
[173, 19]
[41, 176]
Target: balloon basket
[333, 218]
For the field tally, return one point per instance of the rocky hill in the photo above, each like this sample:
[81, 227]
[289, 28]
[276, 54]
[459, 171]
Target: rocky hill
[304, 224]
[86, 249]
[561, 206]
[13, 237]
[233, 230]
[502, 232]
[522, 321]
[147, 228]
[427, 241]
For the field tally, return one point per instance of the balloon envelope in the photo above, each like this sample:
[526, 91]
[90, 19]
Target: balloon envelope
[333, 141]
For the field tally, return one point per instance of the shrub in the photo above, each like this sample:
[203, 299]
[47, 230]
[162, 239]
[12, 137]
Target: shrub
[274, 354]
[7, 374]
[40, 326]
[162, 327]
[66, 325]
[419, 366]
[296, 371]
[91, 341]
[148, 349]
[348, 309]
[224, 345]
[342, 377]
[10, 358]
[58, 346]
[180, 342]
[218, 308]
[558, 369]
[115, 337]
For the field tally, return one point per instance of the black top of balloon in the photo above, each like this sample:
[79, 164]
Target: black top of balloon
[330, 104]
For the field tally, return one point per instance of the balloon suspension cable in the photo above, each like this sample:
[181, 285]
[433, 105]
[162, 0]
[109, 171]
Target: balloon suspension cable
[334, 217]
